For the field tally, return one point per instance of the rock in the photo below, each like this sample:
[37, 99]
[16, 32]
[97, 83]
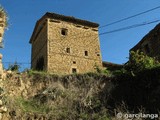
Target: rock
[9, 72]
[1, 91]
[4, 75]
[3, 109]
[0, 116]
[1, 103]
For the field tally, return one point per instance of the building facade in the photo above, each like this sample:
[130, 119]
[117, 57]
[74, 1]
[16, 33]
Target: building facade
[150, 43]
[64, 44]
[2, 26]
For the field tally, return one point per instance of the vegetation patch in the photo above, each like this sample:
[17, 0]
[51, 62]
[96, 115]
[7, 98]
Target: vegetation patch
[31, 106]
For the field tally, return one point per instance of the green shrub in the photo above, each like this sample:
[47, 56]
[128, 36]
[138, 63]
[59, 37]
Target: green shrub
[138, 61]
[120, 72]
[14, 67]
[34, 72]
[107, 72]
[32, 106]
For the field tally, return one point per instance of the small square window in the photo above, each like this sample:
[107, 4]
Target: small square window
[86, 53]
[98, 54]
[68, 50]
[74, 62]
[1, 25]
[64, 32]
[74, 70]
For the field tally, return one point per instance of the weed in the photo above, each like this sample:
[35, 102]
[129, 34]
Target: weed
[32, 106]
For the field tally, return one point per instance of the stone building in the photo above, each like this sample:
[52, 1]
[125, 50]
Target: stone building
[3, 21]
[112, 66]
[2, 25]
[150, 43]
[64, 44]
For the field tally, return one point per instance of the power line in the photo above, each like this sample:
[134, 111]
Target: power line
[16, 63]
[116, 30]
[130, 27]
[123, 19]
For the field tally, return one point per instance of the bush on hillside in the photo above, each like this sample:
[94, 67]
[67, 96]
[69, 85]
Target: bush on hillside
[138, 61]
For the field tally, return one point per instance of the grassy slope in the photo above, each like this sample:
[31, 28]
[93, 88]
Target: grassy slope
[56, 97]
[88, 96]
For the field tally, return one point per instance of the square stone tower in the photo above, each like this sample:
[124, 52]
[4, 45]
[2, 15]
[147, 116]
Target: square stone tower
[64, 44]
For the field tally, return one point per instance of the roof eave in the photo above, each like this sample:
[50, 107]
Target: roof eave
[63, 18]
[71, 19]
[36, 26]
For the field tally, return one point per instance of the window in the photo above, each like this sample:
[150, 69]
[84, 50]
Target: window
[1, 25]
[40, 64]
[147, 49]
[86, 53]
[74, 70]
[68, 50]
[64, 32]
[78, 26]
[74, 62]
[98, 54]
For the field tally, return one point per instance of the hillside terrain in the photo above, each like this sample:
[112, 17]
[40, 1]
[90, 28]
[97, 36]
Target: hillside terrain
[48, 97]
[134, 88]
[91, 96]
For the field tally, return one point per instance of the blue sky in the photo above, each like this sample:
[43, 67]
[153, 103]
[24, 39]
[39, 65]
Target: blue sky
[23, 15]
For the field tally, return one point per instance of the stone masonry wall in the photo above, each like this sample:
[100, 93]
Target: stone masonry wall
[3, 108]
[78, 39]
[2, 25]
[152, 41]
[39, 46]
